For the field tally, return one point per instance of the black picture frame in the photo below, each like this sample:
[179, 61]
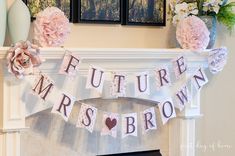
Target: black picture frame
[126, 14]
[97, 20]
[72, 16]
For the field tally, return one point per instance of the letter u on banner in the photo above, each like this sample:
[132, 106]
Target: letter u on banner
[95, 78]
[129, 124]
[87, 117]
[142, 83]
[167, 110]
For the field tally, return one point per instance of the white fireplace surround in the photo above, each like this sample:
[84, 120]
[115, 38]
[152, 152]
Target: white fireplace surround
[13, 110]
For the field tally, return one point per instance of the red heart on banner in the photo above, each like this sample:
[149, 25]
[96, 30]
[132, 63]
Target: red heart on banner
[110, 123]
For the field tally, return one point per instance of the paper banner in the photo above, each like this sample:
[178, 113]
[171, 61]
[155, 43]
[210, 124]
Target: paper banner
[87, 117]
[167, 110]
[110, 122]
[162, 77]
[64, 106]
[148, 120]
[118, 88]
[199, 79]
[182, 97]
[129, 125]
[142, 84]
[95, 78]
[70, 64]
[180, 66]
[43, 86]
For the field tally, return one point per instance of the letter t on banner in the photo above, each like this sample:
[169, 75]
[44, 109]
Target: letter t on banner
[118, 85]
[70, 64]
[95, 78]
[129, 124]
[167, 110]
[64, 106]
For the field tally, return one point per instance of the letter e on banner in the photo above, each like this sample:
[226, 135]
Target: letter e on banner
[64, 106]
[180, 66]
[42, 86]
[70, 64]
[167, 110]
[95, 78]
[129, 124]
[87, 117]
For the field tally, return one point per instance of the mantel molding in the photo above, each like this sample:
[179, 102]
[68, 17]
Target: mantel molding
[118, 53]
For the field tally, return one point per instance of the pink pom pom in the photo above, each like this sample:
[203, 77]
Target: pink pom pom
[51, 27]
[192, 33]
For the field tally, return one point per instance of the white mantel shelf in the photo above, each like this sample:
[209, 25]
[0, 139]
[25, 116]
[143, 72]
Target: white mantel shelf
[13, 110]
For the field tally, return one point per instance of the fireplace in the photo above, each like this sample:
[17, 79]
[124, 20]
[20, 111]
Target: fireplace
[24, 116]
[141, 153]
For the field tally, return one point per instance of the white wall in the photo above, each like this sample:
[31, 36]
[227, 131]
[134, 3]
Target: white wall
[217, 127]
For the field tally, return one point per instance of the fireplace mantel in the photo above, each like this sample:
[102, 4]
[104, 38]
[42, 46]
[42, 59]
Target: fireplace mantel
[13, 110]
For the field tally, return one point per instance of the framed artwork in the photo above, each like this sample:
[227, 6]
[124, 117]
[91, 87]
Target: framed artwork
[36, 6]
[99, 11]
[144, 12]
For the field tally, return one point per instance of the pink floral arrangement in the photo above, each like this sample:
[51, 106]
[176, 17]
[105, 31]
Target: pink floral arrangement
[51, 27]
[22, 58]
[217, 59]
[192, 33]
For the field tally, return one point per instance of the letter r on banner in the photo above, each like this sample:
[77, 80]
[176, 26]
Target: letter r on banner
[162, 77]
[64, 106]
[148, 120]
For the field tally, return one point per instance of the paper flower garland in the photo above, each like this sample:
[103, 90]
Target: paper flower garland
[217, 59]
[192, 33]
[22, 58]
[51, 27]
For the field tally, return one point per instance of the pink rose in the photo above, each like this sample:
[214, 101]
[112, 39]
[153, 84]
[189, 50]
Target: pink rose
[51, 27]
[22, 58]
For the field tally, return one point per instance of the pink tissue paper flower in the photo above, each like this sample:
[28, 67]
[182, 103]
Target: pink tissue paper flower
[22, 58]
[192, 33]
[217, 59]
[51, 27]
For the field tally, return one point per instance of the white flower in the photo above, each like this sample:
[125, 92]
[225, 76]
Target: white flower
[181, 8]
[212, 5]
